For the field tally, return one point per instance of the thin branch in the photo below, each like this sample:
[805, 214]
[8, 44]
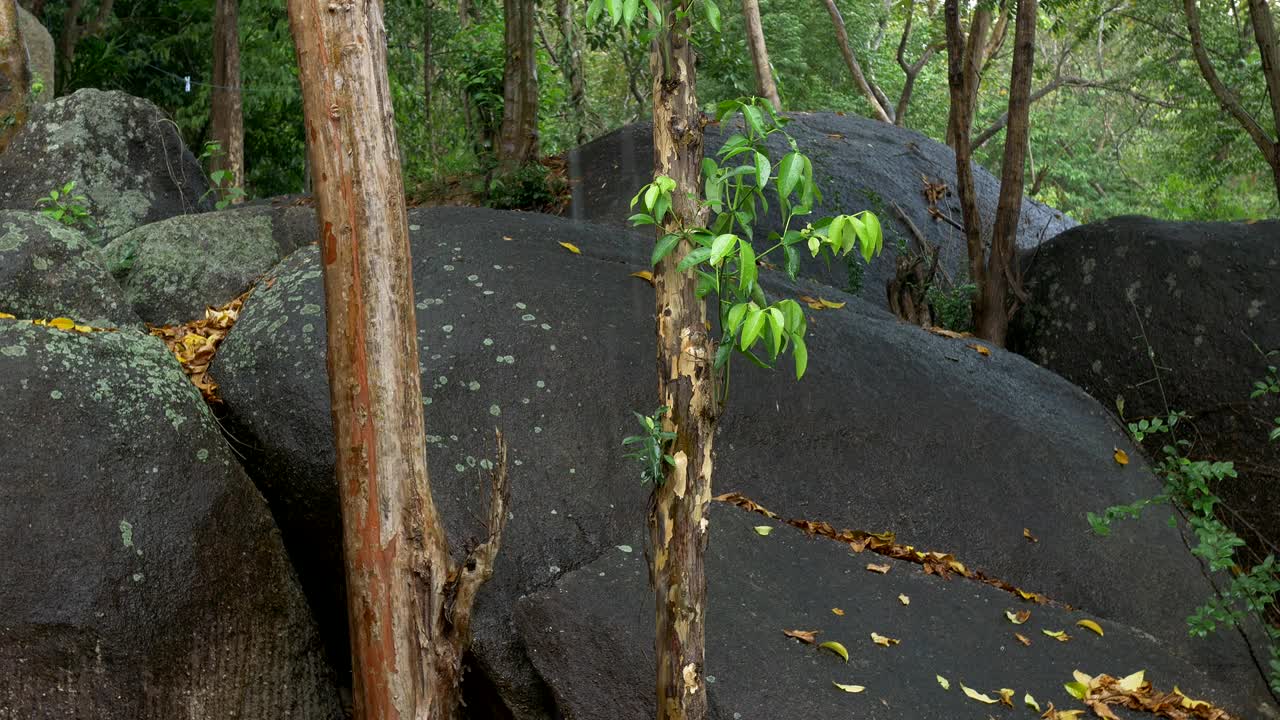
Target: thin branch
[842, 39]
[1225, 97]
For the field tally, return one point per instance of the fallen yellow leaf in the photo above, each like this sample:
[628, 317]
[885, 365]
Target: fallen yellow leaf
[807, 636]
[1023, 639]
[831, 304]
[1122, 457]
[571, 248]
[882, 569]
[836, 648]
[1083, 679]
[6, 316]
[763, 529]
[981, 349]
[62, 323]
[946, 684]
[837, 611]
[1130, 683]
[1019, 617]
[644, 275]
[1058, 635]
[1187, 702]
[849, 688]
[904, 599]
[1006, 696]
[879, 639]
[1031, 702]
[1026, 533]
[1090, 625]
[508, 238]
[975, 695]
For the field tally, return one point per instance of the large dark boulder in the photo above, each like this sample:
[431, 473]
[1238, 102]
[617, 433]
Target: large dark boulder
[144, 576]
[124, 155]
[591, 637]
[859, 164]
[1203, 299]
[892, 428]
[49, 270]
[171, 270]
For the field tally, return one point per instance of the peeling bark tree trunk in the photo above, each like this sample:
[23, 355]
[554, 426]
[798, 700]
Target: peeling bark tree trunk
[765, 86]
[518, 141]
[409, 605]
[842, 39]
[686, 385]
[15, 77]
[227, 117]
[571, 59]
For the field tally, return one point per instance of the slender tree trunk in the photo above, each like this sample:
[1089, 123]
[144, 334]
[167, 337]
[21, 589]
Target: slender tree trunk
[409, 605]
[992, 309]
[971, 62]
[73, 31]
[842, 39]
[571, 64]
[959, 119]
[518, 142]
[226, 116]
[686, 385]
[15, 77]
[765, 86]
[1264, 33]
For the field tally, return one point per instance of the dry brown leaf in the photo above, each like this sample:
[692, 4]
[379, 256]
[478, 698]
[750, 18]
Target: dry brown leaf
[882, 569]
[1058, 635]
[837, 611]
[805, 636]
[1017, 618]
[1022, 639]
[879, 639]
[1026, 533]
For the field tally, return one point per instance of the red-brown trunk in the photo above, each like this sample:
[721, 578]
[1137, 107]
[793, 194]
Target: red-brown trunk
[226, 116]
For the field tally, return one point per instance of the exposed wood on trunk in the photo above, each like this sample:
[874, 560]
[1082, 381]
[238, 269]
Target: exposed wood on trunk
[992, 307]
[518, 140]
[571, 65]
[765, 86]
[73, 31]
[908, 289]
[686, 385]
[15, 77]
[226, 116]
[850, 60]
[409, 605]
[1264, 36]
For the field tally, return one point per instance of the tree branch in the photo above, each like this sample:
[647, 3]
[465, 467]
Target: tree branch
[478, 567]
[1225, 97]
[1264, 32]
[842, 39]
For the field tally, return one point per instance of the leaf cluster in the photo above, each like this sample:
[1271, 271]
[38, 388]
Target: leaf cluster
[67, 207]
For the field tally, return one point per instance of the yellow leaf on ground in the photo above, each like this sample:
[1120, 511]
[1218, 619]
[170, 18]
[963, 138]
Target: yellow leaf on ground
[1187, 702]
[6, 316]
[1026, 533]
[882, 569]
[1030, 702]
[62, 323]
[879, 639]
[946, 684]
[836, 648]
[1019, 617]
[981, 349]
[837, 611]
[806, 636]
[831, 304]
[1090, 625]
[763, 529]
[1006, 696]
[849, 688]
[1077, 690]
[1122, 457]
[904, 599]
[571, 248]
[1130, 683]
[508, 238]
[975, 695]
[1058, 635]
[1023, 639]
[644, 275]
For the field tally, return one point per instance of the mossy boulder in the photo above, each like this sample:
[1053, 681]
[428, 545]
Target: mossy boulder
[144, 576]
[172, 269]
[126, 158]
[49, 270]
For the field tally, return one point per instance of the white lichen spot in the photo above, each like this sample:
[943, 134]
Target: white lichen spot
[494, 410]
[541, 384]
[527, 318]
[1131, 292]
[537, 430]
[524, 401]
[521, 306]
[472, 278]
[1255, 308]
[202, 454]
[415, 228]
[488, 292]
[572, 471]
[442, 380]
[486, 464]
[56, 394]
[460, 467]
[447, 328]
[488, 342]
[625, 548]
[138, 577]
[448, 268]
[423, 305]
[1096, 367]
[473, 386]
[545, 326]
[471, 462]
[126, 536]
[555, 569]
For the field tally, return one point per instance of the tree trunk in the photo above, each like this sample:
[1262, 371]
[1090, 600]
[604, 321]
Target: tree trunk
[686, 385]
[73, 31]
[409, 605]
[970, 58]
[842, 39]
[226, 116]
[571, 59]
[959, 120]
[15, 77]
[518, 142]
[765, 86]
[992, 309]
[1264, 33]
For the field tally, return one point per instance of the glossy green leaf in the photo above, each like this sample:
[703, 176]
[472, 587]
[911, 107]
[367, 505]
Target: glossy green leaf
[751, 328]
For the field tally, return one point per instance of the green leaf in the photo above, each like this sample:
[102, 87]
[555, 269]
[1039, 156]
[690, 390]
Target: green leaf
[651, 196]
[836, 231]
[801, 354]
[736, 314]
[793, 316]
[713, 14]
[615, 11]
[663, 247]
[776, 326]
[751, 328]
[755, 121]
[747, 270]
[722, 246]
[793, 260]
[696, 256]
[629, 11]
[763, 168]
[640, 219]
[707, 284]
[872, 239]
[789, 173]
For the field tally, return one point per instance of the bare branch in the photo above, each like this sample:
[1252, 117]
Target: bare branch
[1225, 97]
[478, 567]
[842, 39]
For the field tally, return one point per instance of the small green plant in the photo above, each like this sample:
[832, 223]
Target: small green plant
[68, 208]
[652, 453]
[223, 180]
[532, 187]
[856, 275]
[1269, 385]
[952, 309]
